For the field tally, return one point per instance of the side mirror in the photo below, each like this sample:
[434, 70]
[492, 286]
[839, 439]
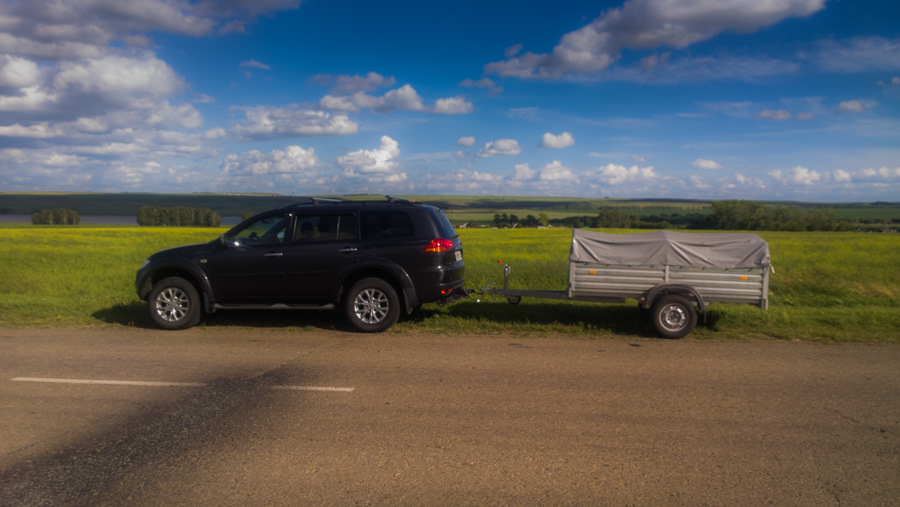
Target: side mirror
[230, 242]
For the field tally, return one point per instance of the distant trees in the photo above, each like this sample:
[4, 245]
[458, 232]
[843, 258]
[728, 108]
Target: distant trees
[754, 216]
[58, 216]
[724, 215]
[182, 216]
[504, 221]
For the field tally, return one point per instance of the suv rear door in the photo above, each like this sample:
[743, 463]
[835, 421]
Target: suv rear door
[324, 246]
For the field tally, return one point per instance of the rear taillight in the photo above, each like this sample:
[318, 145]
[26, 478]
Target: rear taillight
[438, 246]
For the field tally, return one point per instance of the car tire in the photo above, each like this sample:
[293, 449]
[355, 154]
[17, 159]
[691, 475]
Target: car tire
[174, 303]
[372, 305]
[673, 316]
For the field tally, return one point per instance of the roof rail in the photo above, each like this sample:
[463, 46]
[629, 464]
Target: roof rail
[315, 200]
[401, 200]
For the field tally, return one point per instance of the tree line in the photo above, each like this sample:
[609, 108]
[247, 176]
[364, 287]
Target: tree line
[178, 216]
[58, 216]
[724, 215]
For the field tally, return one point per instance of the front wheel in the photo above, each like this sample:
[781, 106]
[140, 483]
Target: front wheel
[372, 305]
[673, 316]
[174, 303]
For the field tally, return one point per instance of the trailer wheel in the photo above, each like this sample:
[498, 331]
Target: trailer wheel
[673, 316]
[514, 300]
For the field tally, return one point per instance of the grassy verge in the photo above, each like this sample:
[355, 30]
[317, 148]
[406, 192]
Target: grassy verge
[832, 287]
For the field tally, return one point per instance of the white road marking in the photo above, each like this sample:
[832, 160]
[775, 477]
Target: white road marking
[168, 384]
[313, 388]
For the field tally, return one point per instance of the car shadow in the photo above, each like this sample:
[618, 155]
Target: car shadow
[133, 314]
[625, 319]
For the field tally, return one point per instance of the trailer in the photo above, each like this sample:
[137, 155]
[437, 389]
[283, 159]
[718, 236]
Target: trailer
[673, 275]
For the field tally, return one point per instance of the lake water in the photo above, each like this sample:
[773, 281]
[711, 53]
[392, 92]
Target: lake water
[104, 220]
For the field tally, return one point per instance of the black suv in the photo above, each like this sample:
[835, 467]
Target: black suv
[371, 259]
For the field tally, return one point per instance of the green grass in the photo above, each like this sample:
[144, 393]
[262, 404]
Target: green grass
[831, 287]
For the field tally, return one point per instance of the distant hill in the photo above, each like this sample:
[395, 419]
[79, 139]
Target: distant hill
[478, 208]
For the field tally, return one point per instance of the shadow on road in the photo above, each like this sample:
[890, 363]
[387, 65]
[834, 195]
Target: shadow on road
[626, 319]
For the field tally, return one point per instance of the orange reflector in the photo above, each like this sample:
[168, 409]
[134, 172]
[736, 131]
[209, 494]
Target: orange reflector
[593, 271]
[743, 278]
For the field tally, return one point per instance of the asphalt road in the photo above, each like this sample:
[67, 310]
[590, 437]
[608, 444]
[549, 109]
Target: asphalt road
[227, 416]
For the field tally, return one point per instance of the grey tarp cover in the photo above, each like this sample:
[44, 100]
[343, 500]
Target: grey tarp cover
[703, 250]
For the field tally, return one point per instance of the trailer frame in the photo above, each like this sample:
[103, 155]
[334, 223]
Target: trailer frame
[672, 291]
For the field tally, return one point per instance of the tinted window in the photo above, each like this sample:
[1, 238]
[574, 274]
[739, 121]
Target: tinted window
[444, 226]
[385, 224]
[312, 228]
[264, 231]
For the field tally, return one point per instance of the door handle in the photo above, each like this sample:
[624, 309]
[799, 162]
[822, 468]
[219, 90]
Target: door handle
[273, 254]
[348, 249]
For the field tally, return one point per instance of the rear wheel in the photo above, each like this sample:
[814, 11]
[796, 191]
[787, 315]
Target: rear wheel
[372, 305]
[673, 316]
[174, 303]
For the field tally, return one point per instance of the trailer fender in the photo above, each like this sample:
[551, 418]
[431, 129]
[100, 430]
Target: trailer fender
[650, 297]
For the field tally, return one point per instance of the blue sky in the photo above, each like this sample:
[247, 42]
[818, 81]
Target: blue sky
[706, 99]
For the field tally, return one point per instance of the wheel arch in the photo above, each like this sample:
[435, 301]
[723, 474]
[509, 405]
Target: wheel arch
[389, 272]
[664, 289]
[198, 280]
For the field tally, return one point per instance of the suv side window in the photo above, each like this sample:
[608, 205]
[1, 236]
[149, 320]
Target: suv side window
[385, 224]
[268, 230]
[320, 228]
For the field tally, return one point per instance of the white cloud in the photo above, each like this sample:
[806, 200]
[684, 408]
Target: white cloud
[375, 166]
[124, 81]
[348, 85]
[41, 130]
[255, 65]
[860, 54]
[453, 105]
[841, 176]
[698, 182]
[183, 115]
[773, 114]
[293, 161]
[882, 173]
[800, 175]
[491, 86]
[855, 106]
[563, 140]
[614, 174]
[292, 121]
[19, 72]
[405, 98]
[52, 29]
[466, 141]
[556, 172]
[465, 181]
[648, 24]
[523, 172]
[215, 133]
[500, 147]
[710, 165]
[748, 181]
[87, 87]
[694, 68]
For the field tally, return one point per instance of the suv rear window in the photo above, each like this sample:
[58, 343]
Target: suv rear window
[444, 226]
[385, 224]
[325, 228]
